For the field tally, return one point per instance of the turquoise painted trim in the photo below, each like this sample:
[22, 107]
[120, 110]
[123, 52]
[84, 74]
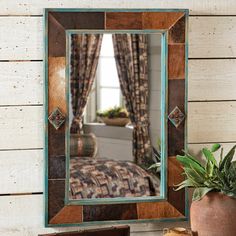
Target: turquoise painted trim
[164, 82]
[45, 22]
[186, 11]
[117, 222]
[186, 105]
[67, 125]
[164, 113]
[116, 10]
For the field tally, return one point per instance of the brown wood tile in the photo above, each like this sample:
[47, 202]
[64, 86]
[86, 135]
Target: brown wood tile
[157, 210]
[176, 97]
[177, 199]
[110, 212]
[123, 20]
[176, 61]
[58, 22]
[56, 141]
[68, 215]
[174, 172]
[56, 38]
[80, 20]
[56, 195]
[57, 167]
[160, 20]
[177, 32]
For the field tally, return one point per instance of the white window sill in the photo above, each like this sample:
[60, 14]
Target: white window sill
[115, 132]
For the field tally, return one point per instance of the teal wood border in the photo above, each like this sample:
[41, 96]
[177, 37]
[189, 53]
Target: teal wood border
[186, 11]
[187, 215]
[45, 22]
[164, 92]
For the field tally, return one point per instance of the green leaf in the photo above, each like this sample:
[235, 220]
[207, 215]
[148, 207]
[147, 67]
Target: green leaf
[209, 156]
[194, 175]
[189, 163]
[199, 193]
[232, 171]
[228, 158]
[215, 147]
[220, 177]
[221, 156]
[209, 168]
[192, 158]
[184, 184]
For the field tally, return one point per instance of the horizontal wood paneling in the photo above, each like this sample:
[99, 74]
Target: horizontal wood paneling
[21, 83]
[212, 80]
[212, 37]
[21, 171]
[203, 7]
[208, 37]
[211, 122]
[21, 127]
[21, 38]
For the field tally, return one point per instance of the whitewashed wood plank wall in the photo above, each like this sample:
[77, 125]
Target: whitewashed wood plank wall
[212, 97]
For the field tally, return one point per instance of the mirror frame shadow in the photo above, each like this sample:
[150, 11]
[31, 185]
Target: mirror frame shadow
[170, 205]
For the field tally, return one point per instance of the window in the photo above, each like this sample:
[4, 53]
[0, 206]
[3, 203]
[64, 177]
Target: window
[106, 91]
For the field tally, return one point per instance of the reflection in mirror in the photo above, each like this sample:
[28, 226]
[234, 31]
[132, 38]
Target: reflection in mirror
[115, 115]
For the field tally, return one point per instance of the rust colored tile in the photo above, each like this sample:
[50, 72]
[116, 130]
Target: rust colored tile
[176, 61]
[110, 212]
[57, 167]
[174, 172]
[176, 97]
[157, 210]
[177, 32]
[56, 195]
[160, 20]
[124, 20]
[68, 215]
[177, 199]
[56, 84]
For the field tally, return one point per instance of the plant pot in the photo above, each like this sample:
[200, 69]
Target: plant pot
[115, 121]
[213, 215]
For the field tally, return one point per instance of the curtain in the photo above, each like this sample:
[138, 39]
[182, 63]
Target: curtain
[85, 49]
[132, 66]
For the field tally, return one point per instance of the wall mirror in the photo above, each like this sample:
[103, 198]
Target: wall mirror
[115, 115]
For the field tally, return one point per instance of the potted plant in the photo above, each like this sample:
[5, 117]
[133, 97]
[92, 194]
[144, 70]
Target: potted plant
[213, 210]
[116, 116]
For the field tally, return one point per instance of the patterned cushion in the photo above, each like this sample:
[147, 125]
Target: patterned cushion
[104, 178]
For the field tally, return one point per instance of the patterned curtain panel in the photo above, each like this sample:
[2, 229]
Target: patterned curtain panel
[85, 49]
[132, 66]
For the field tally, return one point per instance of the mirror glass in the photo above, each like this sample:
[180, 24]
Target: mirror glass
[115, 116]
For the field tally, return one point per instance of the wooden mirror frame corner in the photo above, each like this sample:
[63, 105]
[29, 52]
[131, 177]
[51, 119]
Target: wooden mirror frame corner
[174, 23]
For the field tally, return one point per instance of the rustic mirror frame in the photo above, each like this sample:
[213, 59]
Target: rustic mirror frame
[173, 23]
